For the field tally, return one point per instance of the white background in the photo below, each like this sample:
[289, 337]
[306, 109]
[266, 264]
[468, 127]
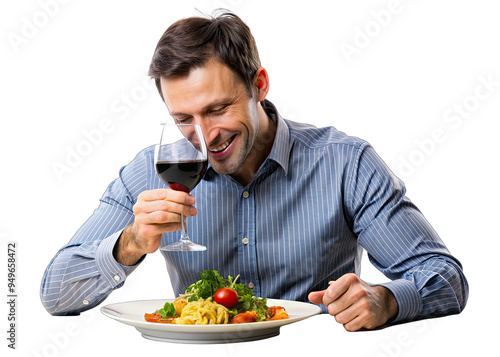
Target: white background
[71, 67]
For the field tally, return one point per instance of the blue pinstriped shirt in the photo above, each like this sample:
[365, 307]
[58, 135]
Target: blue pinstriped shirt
[318, 199]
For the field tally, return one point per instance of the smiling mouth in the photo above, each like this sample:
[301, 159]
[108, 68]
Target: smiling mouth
[223, 146]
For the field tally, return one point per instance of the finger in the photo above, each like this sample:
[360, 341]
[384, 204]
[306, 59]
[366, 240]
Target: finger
[153, 195]
[336, 289]
[354, 325]
[155, 230]
[163, 217]
[344, 311]
[165, 206]
[158, 229]
[363, 320]
[316, 297]
[342, 303]
[167, 194]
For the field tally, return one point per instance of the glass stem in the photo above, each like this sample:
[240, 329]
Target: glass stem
[184, 235]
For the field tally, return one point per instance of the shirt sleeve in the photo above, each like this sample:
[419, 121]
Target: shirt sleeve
[426, 279]
[84, 272]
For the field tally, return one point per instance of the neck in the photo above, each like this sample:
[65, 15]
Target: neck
[260, 150]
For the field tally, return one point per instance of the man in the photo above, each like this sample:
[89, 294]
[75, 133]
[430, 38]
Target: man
[286, 205]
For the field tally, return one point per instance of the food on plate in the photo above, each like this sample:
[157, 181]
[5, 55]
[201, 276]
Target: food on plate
[215, 300]
[179, 305]
[244, 317]
[276, 313]
[227, 297]
[203, 312]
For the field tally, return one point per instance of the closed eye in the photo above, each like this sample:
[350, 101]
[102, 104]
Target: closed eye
[219, 110]
[182, 120]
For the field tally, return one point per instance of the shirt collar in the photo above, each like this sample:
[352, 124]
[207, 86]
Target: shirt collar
[280, 152]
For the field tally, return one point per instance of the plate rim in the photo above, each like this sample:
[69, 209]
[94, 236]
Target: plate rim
[110, 311]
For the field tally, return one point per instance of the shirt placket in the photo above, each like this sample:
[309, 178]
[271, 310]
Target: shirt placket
[246, 240]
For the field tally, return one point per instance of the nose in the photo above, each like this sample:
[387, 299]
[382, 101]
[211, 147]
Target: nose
[209, 129]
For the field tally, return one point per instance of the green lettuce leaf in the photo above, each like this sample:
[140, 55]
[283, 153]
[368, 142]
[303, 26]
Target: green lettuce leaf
[168, 310]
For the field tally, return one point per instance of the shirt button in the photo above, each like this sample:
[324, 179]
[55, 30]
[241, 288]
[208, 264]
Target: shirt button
[117, 277]
[246, 194]
[245, 240]
[251, 286]
[85, 302]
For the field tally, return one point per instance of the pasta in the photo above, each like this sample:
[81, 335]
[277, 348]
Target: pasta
[206, 302]
[203, 312]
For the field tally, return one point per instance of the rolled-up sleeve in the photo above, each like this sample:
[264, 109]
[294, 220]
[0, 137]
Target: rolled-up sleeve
[426, 279]
[84, 272]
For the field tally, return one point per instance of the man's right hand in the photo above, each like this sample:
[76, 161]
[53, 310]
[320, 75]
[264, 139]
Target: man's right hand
[156, 212]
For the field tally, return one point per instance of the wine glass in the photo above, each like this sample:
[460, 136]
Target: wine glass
[180, 162]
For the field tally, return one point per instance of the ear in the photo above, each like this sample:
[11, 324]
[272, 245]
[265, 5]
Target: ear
[261, 84]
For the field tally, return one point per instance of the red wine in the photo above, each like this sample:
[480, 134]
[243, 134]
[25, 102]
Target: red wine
[183, 175]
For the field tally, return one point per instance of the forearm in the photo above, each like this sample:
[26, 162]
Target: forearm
[427, 279]
[437, 287]
[85, 271]
[81, 277]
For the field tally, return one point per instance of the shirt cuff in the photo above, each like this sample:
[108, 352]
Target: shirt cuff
[114, 272]
[408, 299]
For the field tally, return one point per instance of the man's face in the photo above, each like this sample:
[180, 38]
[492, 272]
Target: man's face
[215, 98]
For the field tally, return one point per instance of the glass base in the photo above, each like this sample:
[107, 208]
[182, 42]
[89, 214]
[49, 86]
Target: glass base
[184, 245]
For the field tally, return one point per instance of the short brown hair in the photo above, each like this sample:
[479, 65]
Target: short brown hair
[189, 43]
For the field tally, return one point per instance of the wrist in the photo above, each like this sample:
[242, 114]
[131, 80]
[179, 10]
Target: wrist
[389, 301]
[125, 251]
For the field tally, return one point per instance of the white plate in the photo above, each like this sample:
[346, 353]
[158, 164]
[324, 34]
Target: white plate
[132, 313]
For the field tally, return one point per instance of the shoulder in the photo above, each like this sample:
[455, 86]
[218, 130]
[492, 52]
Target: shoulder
[142, 159]
[139, 171]
[312, 137]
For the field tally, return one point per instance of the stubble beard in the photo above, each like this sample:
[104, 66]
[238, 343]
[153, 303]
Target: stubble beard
[232, 165]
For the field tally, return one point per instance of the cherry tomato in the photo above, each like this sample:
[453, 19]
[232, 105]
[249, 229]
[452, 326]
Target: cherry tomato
[227, 297]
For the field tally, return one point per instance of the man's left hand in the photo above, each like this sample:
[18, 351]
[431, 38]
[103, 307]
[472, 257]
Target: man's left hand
[356, 304]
